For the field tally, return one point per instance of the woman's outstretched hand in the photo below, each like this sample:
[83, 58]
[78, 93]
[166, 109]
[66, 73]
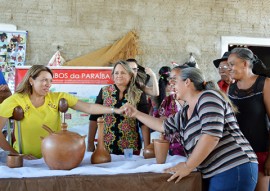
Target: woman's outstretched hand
[119, 110]
[129, 110]
[179, 171]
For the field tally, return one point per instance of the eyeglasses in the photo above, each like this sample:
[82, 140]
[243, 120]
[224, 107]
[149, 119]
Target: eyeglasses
[223, 67]
[135, 69]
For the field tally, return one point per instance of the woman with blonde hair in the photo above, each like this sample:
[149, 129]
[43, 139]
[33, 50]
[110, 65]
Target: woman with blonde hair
[120, 132]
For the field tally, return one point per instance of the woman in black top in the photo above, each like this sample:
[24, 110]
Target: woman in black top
[251, 94]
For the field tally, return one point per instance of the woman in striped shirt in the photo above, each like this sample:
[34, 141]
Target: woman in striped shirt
[209, 133]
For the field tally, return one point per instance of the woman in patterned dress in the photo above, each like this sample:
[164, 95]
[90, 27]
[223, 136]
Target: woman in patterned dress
[120, 131]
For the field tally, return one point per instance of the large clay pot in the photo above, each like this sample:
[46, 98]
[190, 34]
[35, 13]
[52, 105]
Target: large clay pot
[100, 155]
[63, 150]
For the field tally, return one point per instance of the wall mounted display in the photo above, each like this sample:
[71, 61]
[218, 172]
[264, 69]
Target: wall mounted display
[12, 53]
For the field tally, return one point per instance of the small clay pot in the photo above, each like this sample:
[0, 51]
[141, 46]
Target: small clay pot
[14, 160]
[161, 148]
[148, 151]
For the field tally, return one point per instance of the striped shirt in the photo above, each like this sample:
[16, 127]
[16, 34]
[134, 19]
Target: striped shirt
[213, 116]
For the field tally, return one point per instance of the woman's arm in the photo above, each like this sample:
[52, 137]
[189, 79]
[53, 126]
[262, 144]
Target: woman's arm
[151, 122]
[212, 115]
[3, 142]
[266, 97]
[93, 108]
[4, 92]
[203, 148]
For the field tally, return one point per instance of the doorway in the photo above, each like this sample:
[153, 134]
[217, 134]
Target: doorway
[259, 46]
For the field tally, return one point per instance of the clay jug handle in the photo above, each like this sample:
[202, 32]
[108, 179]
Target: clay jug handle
[47, 129]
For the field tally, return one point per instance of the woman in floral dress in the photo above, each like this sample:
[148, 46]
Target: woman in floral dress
[120, 131]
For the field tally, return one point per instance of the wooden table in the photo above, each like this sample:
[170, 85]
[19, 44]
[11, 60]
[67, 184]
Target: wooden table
[119, 182]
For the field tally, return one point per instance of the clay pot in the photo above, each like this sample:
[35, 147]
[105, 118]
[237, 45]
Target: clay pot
[14, 160]
[100, 155]
[63, 150]
[161, 147]
[149, 151]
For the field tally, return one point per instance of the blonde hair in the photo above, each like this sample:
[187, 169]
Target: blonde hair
[25, 87]
[133, 93]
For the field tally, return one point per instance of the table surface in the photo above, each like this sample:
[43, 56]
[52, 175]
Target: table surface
[118, 165]
[136, 173]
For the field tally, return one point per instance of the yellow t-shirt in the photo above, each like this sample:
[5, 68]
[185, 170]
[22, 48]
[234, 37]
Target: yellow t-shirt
[34, 118]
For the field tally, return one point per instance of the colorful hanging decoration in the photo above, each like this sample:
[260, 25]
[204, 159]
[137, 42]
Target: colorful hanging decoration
[56, 60]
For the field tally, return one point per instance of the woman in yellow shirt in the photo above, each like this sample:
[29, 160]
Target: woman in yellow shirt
[40, 107]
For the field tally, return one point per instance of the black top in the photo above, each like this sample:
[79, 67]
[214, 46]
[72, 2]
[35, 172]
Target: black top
[252, 116]
[120, 131]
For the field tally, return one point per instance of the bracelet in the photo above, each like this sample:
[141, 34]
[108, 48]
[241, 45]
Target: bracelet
[185, 163]
[112, 109]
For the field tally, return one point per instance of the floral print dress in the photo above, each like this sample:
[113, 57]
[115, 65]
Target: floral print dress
[120, 131]
[169, 108]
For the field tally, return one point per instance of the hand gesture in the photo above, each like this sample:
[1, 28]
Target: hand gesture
[119, 110]
[179, 171]
[129, 110]
[149, 71]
